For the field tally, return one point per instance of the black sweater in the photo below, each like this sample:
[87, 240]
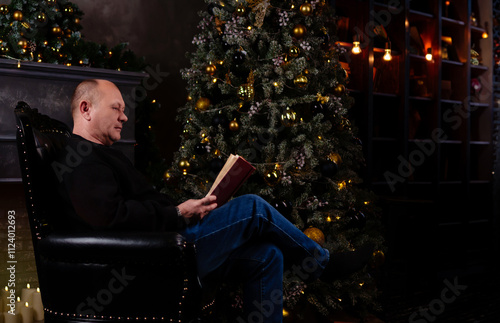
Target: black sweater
[101, 189]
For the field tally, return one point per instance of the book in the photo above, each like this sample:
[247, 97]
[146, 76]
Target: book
[235, 172]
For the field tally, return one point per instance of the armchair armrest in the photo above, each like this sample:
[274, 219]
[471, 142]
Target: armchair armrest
[115, 247]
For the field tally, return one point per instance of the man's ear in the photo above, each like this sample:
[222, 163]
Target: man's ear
[85, 109]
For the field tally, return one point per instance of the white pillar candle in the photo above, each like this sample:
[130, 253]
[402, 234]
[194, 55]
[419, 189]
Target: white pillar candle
[27, 294]
[26, 313]
[37, 306]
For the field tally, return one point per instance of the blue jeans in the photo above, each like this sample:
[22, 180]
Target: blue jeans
[249, 241]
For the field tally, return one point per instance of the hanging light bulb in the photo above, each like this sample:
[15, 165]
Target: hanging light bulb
[428, 56]
[485, 33]
[388, 54]
[355, 48]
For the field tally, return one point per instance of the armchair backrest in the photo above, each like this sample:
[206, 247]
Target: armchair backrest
[38, 138]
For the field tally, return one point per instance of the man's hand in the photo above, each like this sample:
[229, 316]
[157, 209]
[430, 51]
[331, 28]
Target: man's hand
[195, 210]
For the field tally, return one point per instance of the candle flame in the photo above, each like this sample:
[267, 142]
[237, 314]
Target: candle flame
[6, 288]
[38, 289]
[26, 304]
[28, 286]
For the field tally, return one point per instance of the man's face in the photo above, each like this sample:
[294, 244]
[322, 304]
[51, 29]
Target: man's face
[107, 114]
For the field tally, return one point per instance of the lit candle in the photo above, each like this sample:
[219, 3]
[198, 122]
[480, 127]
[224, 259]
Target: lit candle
[27, 294]
[26, 313]
[37, 306]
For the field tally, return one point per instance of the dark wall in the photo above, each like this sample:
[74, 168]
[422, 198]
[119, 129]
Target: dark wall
[159, 30]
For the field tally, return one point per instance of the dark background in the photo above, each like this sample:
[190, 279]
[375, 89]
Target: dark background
[159, 30]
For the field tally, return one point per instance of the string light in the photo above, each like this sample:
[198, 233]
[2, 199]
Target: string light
[388, 52]
[428, 56]
[355, 48]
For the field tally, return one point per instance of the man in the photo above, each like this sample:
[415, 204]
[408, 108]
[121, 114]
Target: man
[245, 239]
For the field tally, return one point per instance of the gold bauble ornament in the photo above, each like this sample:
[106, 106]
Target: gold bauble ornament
[294, 51]
[288, 117]
[17, 15]
[334, 157]
[167, 175]
[234, 125]
[339, 89]
[184, 166]
[240, 10]
[210, 69]
[246, 92]
[306, 9]
[41, 17]
[273, 177]
[299, 31]
[315, 235]
[202, 104]
[300, 81]
[4, 9]
[378, 258]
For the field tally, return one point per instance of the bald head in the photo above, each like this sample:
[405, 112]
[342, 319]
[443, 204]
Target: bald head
[97, 108]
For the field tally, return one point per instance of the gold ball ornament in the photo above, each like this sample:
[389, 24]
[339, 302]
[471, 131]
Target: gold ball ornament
[246, 92]
[167, 175]
[378, 258]
[339, 90]
[301, 81]
[41, 17]
[306, 9]
[294, 51]
[202, 104]
[210, 69]
[334, 157]
[273, 177]
[299, 31]
[17, 15]
[315, 235]
[4, 9]
[240, 10]
[288, 117]
[184, 166]
[234, 125]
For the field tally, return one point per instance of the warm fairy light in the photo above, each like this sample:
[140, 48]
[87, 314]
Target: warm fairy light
[276, 84]
[320, 138]
[293, 6]
[361, 284]
[249, 27]
[388, 52]
[484, 35]
[214, 80]
[428, 56]
[149, 127]
[355, 48]
[367, 202]
[154, 101]
[285, 313]
[328, 219]
[18, 64]
[341, 185]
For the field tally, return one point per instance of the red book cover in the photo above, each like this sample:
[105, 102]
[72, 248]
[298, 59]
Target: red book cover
[235, 172]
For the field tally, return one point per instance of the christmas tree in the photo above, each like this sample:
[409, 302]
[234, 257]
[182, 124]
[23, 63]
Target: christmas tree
[266, 83]
[50, 31]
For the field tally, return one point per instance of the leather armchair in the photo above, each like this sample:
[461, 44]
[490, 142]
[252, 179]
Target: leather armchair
[98, 276]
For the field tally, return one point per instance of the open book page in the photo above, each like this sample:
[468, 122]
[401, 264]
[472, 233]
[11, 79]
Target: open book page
[234, 173]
